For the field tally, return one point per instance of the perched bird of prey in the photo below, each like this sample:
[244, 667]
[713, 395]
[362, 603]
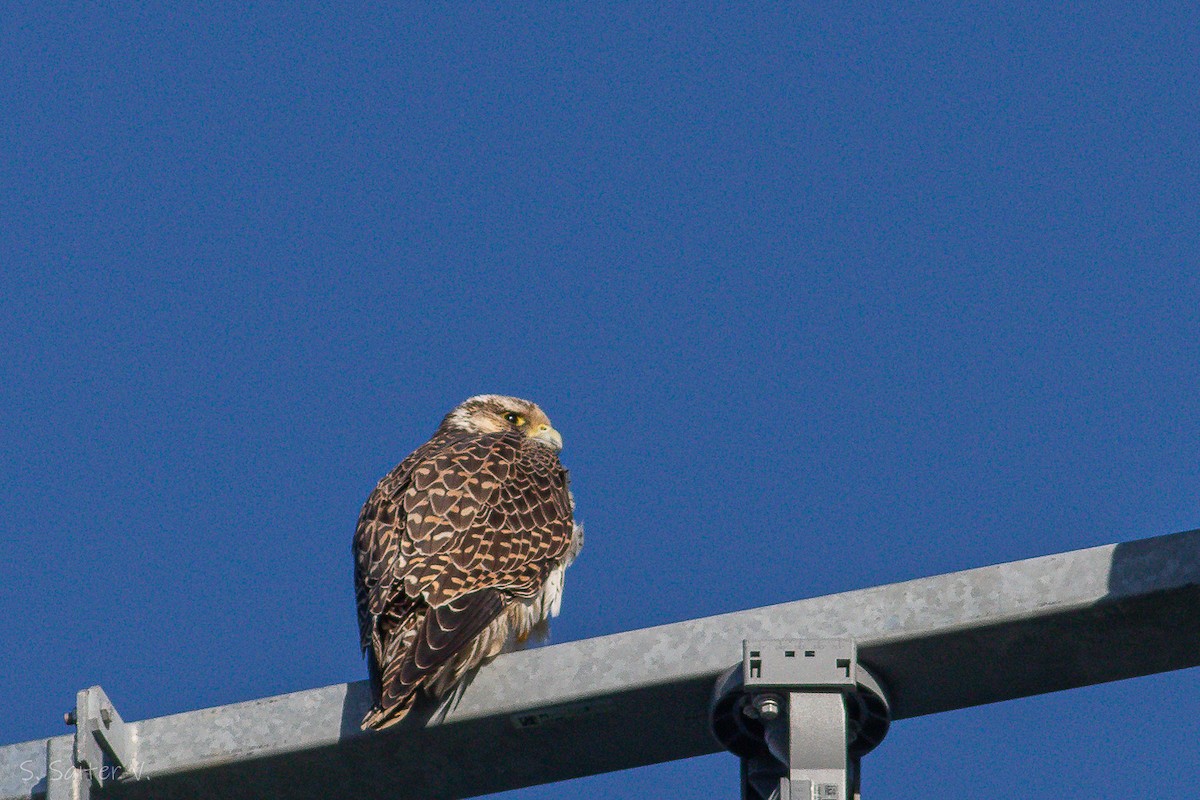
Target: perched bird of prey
[460, 551]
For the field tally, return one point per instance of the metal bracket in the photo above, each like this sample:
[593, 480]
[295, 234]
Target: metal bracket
[105, 748]
[801, 713]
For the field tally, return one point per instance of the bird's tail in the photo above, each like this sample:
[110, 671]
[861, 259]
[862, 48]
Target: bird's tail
[379, 718]
[427, 655]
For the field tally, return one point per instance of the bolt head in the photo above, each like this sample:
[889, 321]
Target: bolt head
[764, 707]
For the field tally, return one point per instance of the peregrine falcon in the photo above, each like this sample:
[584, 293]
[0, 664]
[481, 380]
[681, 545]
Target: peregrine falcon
[460, 551]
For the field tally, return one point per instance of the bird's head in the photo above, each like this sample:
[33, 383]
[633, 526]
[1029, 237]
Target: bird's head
[494, 413]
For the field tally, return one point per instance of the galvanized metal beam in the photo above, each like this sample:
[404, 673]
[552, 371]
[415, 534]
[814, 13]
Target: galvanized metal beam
[637, 698]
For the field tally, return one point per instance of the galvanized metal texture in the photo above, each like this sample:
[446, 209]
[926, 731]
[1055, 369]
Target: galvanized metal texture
[641, 697]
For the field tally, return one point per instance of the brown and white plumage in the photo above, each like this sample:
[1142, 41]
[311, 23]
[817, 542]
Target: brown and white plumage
[460, 551]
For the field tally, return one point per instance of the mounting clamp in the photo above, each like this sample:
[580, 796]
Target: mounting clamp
[103, 752]
[800, 713]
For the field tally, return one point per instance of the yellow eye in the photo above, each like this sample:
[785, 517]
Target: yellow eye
[515, 418]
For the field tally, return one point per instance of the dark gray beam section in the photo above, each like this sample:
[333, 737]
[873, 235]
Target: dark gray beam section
[637, 698]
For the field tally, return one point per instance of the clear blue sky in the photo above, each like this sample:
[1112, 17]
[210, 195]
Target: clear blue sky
[821, 296]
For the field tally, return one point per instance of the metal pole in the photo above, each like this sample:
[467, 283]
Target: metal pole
[940, 643]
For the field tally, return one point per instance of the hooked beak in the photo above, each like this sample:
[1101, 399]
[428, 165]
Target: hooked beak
[549, 437]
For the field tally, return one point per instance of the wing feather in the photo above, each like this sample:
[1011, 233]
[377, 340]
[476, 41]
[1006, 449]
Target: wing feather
[448, 628]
